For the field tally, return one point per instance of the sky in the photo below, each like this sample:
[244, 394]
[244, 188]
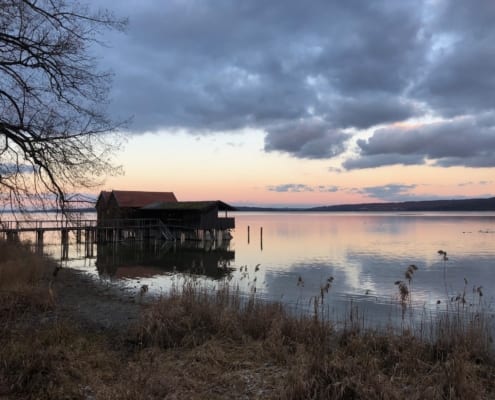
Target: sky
[300, 103]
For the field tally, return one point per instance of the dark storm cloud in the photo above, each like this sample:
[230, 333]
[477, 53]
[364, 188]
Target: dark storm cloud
[222, 65]
[461, 142]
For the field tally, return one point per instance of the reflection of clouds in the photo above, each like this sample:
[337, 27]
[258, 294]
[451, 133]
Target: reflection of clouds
[365, 253]
[388, 226]
[314, 275]
[428, 283]
[352, 275]
[370, 279]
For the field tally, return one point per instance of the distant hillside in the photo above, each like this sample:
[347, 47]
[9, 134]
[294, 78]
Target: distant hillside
[277, 209]
[432, 205]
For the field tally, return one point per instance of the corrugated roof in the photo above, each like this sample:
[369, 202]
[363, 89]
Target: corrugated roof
[129, 198]
[189, 205]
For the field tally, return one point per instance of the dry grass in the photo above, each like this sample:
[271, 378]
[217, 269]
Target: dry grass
[453, 360]
[191, 315]
[24, 280]
[195, 344]
[20, 268]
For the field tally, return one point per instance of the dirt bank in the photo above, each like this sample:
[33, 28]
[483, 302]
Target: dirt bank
[93, 303]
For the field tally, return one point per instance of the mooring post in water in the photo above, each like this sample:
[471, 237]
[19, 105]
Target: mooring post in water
[39, 237]
[248, 234]
[65, 244]
[12, 236]
[77, 231]
[87, 242]
[93, 238]
[89, 248]
[65, 236]
[261, 237]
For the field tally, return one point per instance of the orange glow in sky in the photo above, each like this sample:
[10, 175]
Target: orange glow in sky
[236, 169]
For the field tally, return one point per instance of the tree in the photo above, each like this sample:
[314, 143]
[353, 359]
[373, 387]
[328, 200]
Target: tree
[54, 132]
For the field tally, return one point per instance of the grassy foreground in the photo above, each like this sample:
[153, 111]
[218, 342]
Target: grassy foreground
[194, 345]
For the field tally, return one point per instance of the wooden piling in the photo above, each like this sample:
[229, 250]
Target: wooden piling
[65, 244]
[39, 237]
[13, 236]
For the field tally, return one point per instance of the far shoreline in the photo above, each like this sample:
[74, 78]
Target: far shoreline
[458, 205]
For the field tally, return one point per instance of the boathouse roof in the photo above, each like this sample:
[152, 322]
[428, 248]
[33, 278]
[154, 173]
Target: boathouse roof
[137, 199]
[189, 206]
[103, 198]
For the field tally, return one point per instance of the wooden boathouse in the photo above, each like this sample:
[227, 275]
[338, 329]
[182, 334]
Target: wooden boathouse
[192, 218]
[134, 215]
[185, 220]
[123, 204]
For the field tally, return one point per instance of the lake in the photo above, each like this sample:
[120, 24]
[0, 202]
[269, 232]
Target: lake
[362, 254]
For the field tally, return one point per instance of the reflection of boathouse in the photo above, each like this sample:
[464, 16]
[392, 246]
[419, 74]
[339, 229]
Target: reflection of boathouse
[174, 219]
[129, 260]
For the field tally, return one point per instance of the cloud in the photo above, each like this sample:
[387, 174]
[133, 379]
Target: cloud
[13, 168]
[395, 192]
[300, 187]
[460, 142]
[219, 65]
[306, 139]
[329, 188]
[380, 160]
[366, 111]
[458, 78]
[470, 183]
[391, 192]
[290, 187]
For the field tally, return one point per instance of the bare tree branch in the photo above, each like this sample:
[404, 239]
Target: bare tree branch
[55, 137]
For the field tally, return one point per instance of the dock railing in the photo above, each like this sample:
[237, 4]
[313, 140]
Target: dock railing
[45, 225]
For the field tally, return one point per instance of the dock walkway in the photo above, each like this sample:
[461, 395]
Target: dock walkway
[94, 231]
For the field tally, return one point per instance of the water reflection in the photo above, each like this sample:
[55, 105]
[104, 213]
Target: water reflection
[131, 260]
[365, 253]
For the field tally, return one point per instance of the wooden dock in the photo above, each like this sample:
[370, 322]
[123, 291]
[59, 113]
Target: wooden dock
[88, 230]
[93, 231]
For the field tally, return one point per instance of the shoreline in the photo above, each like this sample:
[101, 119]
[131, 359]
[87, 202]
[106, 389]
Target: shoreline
[101, 305]
[95, 341]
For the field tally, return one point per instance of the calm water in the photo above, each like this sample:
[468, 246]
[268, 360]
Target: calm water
[364, 253]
